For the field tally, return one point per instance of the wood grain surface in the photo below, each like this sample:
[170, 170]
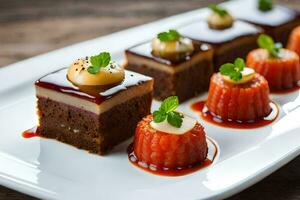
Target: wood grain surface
[32, 27]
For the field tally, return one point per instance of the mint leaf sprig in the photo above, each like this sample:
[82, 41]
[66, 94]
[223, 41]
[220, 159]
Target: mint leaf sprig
[98, 61]
[266, 42]
[233, 70]
[265, 5]
[166, 111]
[218, 9]
[171, 35]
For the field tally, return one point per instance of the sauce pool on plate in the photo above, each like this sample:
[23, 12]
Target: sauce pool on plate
[30, 133]
[171, 172]
[211, 118]
[287, 91]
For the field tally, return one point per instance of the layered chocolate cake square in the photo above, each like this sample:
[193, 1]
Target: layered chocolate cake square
[185, 78]
[228, 43]
[277, 20]
[88, 117]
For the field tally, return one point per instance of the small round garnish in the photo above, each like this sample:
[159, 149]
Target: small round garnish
[266, 42]
[96, 70]
[167, 112]
[219, 18]
[265, 5]
[188, 123]
[172, 46]
[237, 72]
[247, 75]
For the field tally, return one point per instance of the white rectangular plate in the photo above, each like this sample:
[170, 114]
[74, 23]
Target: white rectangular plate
[49, 169]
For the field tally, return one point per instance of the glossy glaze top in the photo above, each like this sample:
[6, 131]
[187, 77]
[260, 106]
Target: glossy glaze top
[58, 81]
[145, 50]
[248, 10]
[200, 31]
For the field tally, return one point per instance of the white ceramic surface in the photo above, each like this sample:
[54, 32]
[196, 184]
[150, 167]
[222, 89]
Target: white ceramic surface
[49, 169]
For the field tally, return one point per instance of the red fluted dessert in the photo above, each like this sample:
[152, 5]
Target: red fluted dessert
[168, 140]
[279, 66]
[237, 93]
[166, 150]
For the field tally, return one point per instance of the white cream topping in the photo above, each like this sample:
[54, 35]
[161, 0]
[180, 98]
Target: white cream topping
[247, 75]
[188, 124]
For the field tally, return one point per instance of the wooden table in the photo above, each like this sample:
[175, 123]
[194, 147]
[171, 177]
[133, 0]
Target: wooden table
[31, 27]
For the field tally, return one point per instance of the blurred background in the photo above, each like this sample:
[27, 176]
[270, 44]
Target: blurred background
[32, 27]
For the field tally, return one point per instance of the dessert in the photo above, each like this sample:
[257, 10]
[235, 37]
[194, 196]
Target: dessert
[94, 104]
[279, 66]
[168, 140]
[229, 38]
[294, 41]
[179, 66]
[238, 94]
[276, 20]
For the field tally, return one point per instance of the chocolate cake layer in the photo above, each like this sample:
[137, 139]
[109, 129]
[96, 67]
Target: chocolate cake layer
[227, 44]
[185, 79]
[92, 118]
[87, 130]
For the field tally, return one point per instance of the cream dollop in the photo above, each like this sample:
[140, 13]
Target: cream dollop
[216, 21]
[188, 124]
[247, 75]
[173, 50]
[78, 74]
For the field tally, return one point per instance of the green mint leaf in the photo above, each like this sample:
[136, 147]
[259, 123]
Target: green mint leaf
[175, 119]
[159, 116]
[239, 64]
[218, 9]
[99, 61]
[172, 35]
[227, 68]
[93, 69]
[166, 111]
[105, 58]
[266, 42]
[95, 60]
[233, 70]
[235, 75]
[169, 104]
[265, 5]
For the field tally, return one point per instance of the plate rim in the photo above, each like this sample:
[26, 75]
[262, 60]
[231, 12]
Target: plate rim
[32, 190]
